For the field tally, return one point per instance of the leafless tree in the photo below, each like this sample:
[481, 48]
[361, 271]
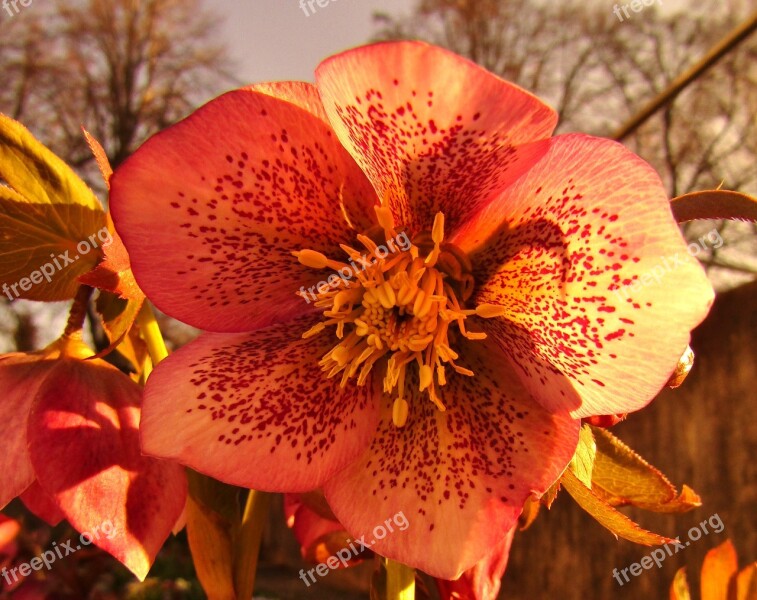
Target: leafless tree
[598, 69]
[122, 68]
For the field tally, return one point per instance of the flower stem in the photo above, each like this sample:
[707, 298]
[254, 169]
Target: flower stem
[150, 330]
[248, 544]
[78, 311]
[400, 581]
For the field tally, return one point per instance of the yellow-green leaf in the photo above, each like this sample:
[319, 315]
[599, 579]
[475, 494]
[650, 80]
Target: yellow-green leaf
[51, 225]
[719, 567]
[620, 477]
[679, 589]
[606, 515]
[212, 523]
[583, 459]
[36, 173]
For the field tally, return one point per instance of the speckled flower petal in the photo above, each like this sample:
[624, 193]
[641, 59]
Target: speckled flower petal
[211, 208]
[433, 131]
[599, 291]
[256, 410]
[302, 94]
[459, 477]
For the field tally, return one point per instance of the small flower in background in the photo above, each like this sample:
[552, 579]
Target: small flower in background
[447, 380]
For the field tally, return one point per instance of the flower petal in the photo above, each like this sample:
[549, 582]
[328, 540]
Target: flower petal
[256, 410]
[460, 477]
[598, 289]
[302, 94]
[20, 378]
[483, 580]
[211, 209]
[431, 130]
[84, 445]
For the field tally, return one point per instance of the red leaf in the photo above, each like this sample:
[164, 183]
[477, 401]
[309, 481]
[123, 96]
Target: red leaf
[113, 273]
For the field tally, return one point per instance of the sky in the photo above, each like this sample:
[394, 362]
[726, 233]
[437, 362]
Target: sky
[275, 40]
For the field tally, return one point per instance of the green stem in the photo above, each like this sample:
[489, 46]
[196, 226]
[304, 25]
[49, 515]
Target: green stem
[248, 544]
[150, 330]
[400, 581]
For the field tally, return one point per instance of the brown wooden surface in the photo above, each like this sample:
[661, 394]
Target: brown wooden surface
[703, 434]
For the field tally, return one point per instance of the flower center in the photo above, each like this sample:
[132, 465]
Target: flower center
[397, 299]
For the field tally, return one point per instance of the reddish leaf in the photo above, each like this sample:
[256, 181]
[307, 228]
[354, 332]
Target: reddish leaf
[84, 446]
[113, 273]
[100, 157]
[714, 204]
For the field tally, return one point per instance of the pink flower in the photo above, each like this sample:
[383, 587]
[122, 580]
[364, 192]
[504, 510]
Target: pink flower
[447, 378]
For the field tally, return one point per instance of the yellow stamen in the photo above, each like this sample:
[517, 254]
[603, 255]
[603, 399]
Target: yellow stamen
[401, 307]
[400, 410]
[312, 259]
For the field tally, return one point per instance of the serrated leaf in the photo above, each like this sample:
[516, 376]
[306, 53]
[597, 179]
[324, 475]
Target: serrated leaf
[714, 204]
[100, 157]
[619, 524]
[49, 220]
[719, 567]
[583, 459]
[623, 477]
[549, 496]
[679, 589]
[213, 520]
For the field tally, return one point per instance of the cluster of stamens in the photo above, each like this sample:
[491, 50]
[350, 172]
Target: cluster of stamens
[400, 305]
